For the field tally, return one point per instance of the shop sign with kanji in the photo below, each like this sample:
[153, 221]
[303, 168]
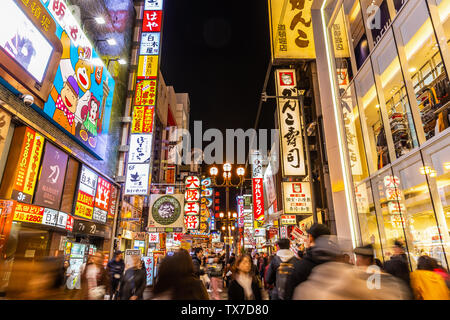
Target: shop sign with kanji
[293, 163]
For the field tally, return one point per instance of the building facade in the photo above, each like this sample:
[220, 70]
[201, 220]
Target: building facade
[385, 96]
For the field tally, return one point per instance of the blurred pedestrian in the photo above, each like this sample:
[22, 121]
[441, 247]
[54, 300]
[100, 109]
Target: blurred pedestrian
[427, 284]
[245, 285]
[115, 269]
[268, 287]
[334, 279]
[398, 264]
[282, 272]
[134, 281]
[176, 280]
[197, 262]
[215, 273]
[232, 259]
[95, 281]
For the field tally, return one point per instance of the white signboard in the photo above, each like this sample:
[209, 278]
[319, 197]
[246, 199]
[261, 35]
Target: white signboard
[289, 123]
[150, 43]
[297, 197]
[260, 232]
[88, 181]
[99, 215]
[50, 217]
[62, 220]
[153, 4]
[136, 182]
[140, 148]
[153, 237]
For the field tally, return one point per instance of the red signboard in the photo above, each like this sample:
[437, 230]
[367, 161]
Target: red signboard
[258, 199]
[102, 198]
[152, 21]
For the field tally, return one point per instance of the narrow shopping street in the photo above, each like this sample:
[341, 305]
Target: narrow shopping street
[197, 150]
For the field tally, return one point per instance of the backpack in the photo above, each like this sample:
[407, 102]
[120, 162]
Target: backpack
[283, 278]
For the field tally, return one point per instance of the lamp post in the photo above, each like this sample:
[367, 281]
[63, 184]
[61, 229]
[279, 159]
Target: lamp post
[227, 183]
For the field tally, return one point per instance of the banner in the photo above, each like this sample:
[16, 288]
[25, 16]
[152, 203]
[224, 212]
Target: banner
[258, 190]
[291, 30]
[290, 125]
[87, 188]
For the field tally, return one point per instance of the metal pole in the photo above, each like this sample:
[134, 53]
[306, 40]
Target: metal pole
[227, 224]
[308, 158]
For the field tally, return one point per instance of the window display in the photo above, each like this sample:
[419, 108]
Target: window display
[377, 146]
[425, 67]
[387, 65]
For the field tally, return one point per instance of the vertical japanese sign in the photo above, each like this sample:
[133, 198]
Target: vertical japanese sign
[290, 126]
[258, 190]
[291, 29]
[86, 193]
[139, 162]
[240, 209]
[192, 197]
[19, 178]
[148, 261]
[53, 171]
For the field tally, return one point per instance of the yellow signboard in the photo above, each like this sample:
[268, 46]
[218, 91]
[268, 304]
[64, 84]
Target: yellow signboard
[291, 30]
[148, 67]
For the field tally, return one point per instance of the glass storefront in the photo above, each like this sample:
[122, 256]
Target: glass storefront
[394, 95]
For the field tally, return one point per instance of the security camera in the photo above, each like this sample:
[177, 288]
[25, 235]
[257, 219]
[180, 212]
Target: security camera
[28, 99]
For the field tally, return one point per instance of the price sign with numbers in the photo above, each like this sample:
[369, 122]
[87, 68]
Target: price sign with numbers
[28, 213]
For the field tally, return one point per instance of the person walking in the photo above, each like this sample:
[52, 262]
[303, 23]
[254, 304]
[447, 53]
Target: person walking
[197, 262]
[398, 264]
[282, 271]
[115, 268]
[176, 280]
[215, 273]
[134, 281]
[427, 284]
[94, 280]
[245, 285]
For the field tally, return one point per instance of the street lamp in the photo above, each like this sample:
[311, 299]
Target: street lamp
[227, 183]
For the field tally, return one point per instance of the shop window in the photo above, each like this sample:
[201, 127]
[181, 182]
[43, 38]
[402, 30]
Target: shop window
[444, 14]
[437, 167]
[391, 220]
[367, 218]
[354, 137]
[398, 4]
[341, 52]
[372, 122]
[387, 66]
[357, 31]
[378, 18]
[414, 205]
[425, 67]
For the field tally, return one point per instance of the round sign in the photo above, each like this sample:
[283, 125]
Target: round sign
[166, 210]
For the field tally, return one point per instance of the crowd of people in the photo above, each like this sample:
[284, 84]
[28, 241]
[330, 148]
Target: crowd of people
[321, 272]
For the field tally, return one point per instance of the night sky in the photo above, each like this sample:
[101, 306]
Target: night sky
[218, 52]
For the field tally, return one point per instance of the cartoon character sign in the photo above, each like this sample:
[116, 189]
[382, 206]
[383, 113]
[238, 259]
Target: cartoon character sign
[81, 98]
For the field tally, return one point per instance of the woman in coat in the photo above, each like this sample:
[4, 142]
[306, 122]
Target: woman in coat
[134, 281]
[245, 285]
[94, 279]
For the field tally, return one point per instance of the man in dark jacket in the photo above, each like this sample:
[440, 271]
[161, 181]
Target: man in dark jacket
[398, 264]
[283, 288]
[115, 268]
[197, 261]
[311, 257]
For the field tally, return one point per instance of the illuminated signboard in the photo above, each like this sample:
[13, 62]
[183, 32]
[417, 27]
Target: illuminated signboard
[297, 197]
[86, 193]
[150, 43]
[80, 100]
[23, 41]
[291, 30]
[138, 169]
[258, 190]
[290, 126]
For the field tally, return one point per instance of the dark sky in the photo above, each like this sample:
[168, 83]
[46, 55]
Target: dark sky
[218, 52]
